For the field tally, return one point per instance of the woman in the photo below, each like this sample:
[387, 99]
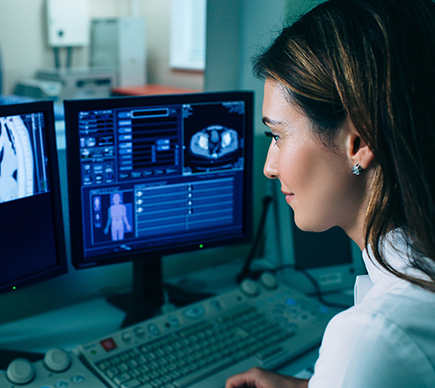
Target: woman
[349, 100]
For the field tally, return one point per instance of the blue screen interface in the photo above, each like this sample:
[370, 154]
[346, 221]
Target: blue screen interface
[161, 175]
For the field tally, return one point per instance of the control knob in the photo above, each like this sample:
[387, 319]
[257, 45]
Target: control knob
[249, 287]
[268, 280]
[20, 371]
[57, 360]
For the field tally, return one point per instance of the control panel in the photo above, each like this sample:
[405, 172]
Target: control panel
[58, 369]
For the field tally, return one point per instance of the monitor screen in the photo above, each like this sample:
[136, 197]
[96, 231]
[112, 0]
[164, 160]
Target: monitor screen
[157, 175]
[31, 228]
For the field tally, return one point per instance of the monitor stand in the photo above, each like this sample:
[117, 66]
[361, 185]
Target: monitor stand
[147, 296]
[147, 292]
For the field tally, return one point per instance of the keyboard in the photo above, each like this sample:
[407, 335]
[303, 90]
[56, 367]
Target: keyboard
[262, 323]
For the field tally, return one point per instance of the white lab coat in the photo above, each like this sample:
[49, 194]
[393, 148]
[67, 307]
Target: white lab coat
[388, 338]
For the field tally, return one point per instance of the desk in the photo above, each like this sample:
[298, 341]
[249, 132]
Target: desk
[152, 89]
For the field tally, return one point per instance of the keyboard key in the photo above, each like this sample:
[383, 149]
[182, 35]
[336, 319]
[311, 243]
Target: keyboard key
[131, 384]
[122, 378]
[199, 374]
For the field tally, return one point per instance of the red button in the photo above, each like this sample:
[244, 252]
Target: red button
[108, 344]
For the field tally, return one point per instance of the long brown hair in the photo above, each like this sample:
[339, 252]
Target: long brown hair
[372, 61]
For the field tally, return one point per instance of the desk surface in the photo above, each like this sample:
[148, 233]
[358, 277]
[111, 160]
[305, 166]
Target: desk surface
[152, 89]
[73, 325]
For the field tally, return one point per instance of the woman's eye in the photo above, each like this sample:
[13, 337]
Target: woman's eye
[270, 134]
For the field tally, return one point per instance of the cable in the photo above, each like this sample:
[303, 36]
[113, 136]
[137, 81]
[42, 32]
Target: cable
[313, 281]
[267, 200]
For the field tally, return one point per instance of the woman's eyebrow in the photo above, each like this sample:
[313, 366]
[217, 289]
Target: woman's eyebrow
[266, 120]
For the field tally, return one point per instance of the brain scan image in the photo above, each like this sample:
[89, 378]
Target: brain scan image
[16, 159]
[214, 142]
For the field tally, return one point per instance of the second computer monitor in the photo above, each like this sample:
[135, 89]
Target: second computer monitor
[32, 242]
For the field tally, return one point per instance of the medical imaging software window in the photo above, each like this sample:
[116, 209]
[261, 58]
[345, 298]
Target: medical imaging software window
[23, 170]
[166, 170]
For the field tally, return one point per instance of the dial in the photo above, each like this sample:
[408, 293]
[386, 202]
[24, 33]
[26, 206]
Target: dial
[20, 371]
[57, 360]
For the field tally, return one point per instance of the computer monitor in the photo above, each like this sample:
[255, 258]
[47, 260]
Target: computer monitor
[331, 258]
[156, 175]
[32, 240]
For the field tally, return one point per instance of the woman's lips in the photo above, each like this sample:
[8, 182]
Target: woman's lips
[288, 196]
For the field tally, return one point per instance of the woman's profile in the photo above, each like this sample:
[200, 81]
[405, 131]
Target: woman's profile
[350, 105]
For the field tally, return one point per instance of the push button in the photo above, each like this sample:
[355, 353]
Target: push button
[108, 344]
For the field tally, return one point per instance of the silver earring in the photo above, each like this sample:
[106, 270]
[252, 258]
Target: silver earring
[357, 169]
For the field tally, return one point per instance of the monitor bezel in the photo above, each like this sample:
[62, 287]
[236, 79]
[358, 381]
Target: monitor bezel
[72, 107]
[45, 107]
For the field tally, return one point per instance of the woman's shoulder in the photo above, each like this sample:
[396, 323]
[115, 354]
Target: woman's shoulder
[374, 343]
[397, 321]
[395, 303]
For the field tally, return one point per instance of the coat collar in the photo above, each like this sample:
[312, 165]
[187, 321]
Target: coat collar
[397, 253]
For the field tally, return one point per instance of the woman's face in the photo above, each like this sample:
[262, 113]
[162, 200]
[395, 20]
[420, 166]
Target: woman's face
[315, 178]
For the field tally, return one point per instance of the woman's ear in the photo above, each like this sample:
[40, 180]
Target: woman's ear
[358, 150]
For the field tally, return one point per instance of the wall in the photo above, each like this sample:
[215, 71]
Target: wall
[24, 48]
[157, 14]
[236, 31]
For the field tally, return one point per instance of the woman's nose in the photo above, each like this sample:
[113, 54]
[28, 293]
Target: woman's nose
[271, 166]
